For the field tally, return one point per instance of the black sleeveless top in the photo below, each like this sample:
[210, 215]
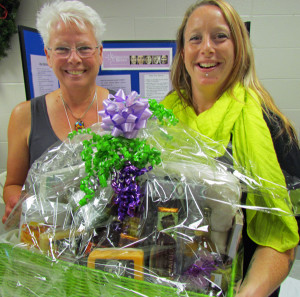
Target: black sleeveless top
[42, 135]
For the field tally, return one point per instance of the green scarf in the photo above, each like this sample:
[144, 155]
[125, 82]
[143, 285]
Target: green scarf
[241, 116]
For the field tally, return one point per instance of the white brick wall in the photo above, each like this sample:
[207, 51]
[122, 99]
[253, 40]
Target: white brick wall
[274, 32]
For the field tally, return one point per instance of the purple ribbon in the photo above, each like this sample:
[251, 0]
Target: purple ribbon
[125, 115]
[128, 192]
[201, 270]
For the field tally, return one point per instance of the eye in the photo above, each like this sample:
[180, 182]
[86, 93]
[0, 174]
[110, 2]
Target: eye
[62, 50]
[195, 38]
[84, 48]
[221, 36]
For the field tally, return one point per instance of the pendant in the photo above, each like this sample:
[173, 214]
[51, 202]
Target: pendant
[79, 125]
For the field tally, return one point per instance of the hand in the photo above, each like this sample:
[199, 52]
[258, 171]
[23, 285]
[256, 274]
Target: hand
[9, 205]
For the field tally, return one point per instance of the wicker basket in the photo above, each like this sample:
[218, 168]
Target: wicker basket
[26, 273]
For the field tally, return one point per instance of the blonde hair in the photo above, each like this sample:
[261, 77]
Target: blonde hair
[243, 70]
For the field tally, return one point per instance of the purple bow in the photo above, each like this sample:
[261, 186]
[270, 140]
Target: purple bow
[124, 115]
[201, 270]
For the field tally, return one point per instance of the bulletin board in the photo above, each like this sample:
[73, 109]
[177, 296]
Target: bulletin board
[134, 65]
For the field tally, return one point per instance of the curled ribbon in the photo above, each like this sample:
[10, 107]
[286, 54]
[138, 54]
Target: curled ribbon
[125, 115]
[127, 190]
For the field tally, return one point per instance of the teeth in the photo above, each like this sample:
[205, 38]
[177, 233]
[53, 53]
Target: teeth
[207, 65]
[75, 72]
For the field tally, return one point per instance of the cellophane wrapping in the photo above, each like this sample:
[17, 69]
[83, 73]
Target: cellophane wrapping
[172, 228]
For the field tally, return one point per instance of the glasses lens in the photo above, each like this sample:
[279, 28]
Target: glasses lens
[85, 51]
[62, 51]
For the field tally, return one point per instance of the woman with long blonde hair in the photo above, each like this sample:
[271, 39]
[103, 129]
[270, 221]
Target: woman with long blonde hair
[217, 93]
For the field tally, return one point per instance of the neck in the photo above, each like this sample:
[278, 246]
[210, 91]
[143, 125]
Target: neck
[79, 124]
[78, 97]
[79, 108]
[203, 99]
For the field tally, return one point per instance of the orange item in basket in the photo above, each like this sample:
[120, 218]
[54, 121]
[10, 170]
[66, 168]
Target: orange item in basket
[30, 233]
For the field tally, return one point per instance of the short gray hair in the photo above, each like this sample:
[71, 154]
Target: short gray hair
[69, 12]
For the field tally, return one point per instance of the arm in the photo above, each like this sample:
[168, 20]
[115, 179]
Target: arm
[18, 156]
[268, 268]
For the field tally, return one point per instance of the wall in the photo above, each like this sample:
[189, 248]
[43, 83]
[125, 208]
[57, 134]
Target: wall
[274, 34]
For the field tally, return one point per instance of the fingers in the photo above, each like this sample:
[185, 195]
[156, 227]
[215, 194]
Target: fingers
[8, 210]
[4, 218]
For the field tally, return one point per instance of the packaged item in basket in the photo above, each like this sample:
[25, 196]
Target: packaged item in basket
[163, 253]
[127, 240]
[127, 262]
[58, 241]
[203, 236]
[38, 218]
[31, 231]
[131, 226]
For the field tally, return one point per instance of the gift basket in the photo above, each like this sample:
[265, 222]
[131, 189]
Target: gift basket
[138, 205]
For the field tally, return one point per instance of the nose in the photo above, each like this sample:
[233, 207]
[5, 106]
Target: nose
[207, 45]
[74, 55]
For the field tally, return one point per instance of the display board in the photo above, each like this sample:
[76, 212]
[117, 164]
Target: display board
[141, 66]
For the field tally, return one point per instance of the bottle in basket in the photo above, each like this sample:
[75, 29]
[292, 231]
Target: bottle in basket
[219, 276]
[163, 254]
[203, 236]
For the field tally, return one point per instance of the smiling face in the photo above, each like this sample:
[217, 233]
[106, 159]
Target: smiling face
[140, 59]
[208, 52]
[73, 72]
[148, 59]
[132, 59]
[164, 59]
[156, 59]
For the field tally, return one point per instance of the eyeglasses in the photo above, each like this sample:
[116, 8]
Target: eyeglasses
[82, 51]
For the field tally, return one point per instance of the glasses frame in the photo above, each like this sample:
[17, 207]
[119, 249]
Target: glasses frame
[70, 51]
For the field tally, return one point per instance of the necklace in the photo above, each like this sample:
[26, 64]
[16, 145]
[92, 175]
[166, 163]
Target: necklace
[79, 124]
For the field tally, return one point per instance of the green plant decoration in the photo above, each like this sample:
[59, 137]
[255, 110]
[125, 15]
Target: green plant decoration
[8, 12]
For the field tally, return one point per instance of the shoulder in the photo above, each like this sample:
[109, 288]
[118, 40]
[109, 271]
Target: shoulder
[102, 92]
[21, 111]
[20, 122]
[275, 125]
[288, 153]
[21, 115]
